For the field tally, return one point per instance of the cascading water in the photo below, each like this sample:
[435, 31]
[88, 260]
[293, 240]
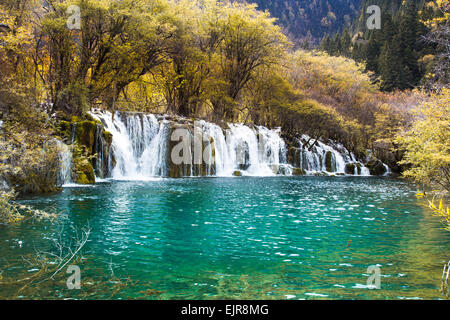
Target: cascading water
[314, 156]
[138, 144]
[65, 163]
[142, 146]
[253, 155]
[337, 159]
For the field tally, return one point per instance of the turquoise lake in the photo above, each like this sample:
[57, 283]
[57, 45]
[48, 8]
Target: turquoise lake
[235, 238]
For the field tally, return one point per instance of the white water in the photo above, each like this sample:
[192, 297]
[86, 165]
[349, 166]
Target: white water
[65, 163]
[140, 147]
[314, 156]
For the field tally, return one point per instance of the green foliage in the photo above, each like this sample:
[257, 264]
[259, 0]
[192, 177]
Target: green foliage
[306, 19]
[83, 171]
[395, 52]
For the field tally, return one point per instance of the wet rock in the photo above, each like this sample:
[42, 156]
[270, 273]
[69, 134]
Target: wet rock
[243, 156]
[237, 173]
[330, 162]
[376, 167]
[298, 172]
[358, 168]
[83, 172]
[321, 174]
[85, 132]
[294, 156]
[350, 168]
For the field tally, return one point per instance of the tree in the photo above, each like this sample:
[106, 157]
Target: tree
[408, 36]
[119, 41]
[372, 53]
[426, 146]
[251, 40]
[346, 42]
[325, 45]
[390, 65]
[192, 52]
[439, 23]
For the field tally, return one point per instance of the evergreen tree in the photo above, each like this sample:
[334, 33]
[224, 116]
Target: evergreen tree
[408, 31]
[388, 29]
[346, 42]
[325, 45]
[337, 46]
[357, 52]
[390, 64]
[372, 53]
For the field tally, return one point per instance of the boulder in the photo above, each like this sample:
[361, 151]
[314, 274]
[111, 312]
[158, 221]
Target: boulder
[298, 172]
[237, 173]
[376, 167]
[82, 172]
[330, 163]
[350, 168]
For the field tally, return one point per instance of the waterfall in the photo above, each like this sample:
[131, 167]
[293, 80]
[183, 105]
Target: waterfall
[252, 149]
[316, 157]
[65, 163]
[153, 161]
[142, 145]
[138, 144]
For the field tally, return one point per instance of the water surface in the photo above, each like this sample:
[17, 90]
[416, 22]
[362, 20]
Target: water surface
[237, 238]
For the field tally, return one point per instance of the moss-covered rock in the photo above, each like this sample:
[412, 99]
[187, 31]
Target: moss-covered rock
[353, 168]
[237, 173]
[350, 168]
[94, 140]
[108, 137]
[329, 162]
[64, 130]
[179, 170]
[85, 134]
[376, 167]
[294, 155]
[83, 172]
[358, 168]
[182, 169]
[298, 172]
[81, 131]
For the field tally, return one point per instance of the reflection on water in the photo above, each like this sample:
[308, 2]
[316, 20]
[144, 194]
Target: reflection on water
[243, 238]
